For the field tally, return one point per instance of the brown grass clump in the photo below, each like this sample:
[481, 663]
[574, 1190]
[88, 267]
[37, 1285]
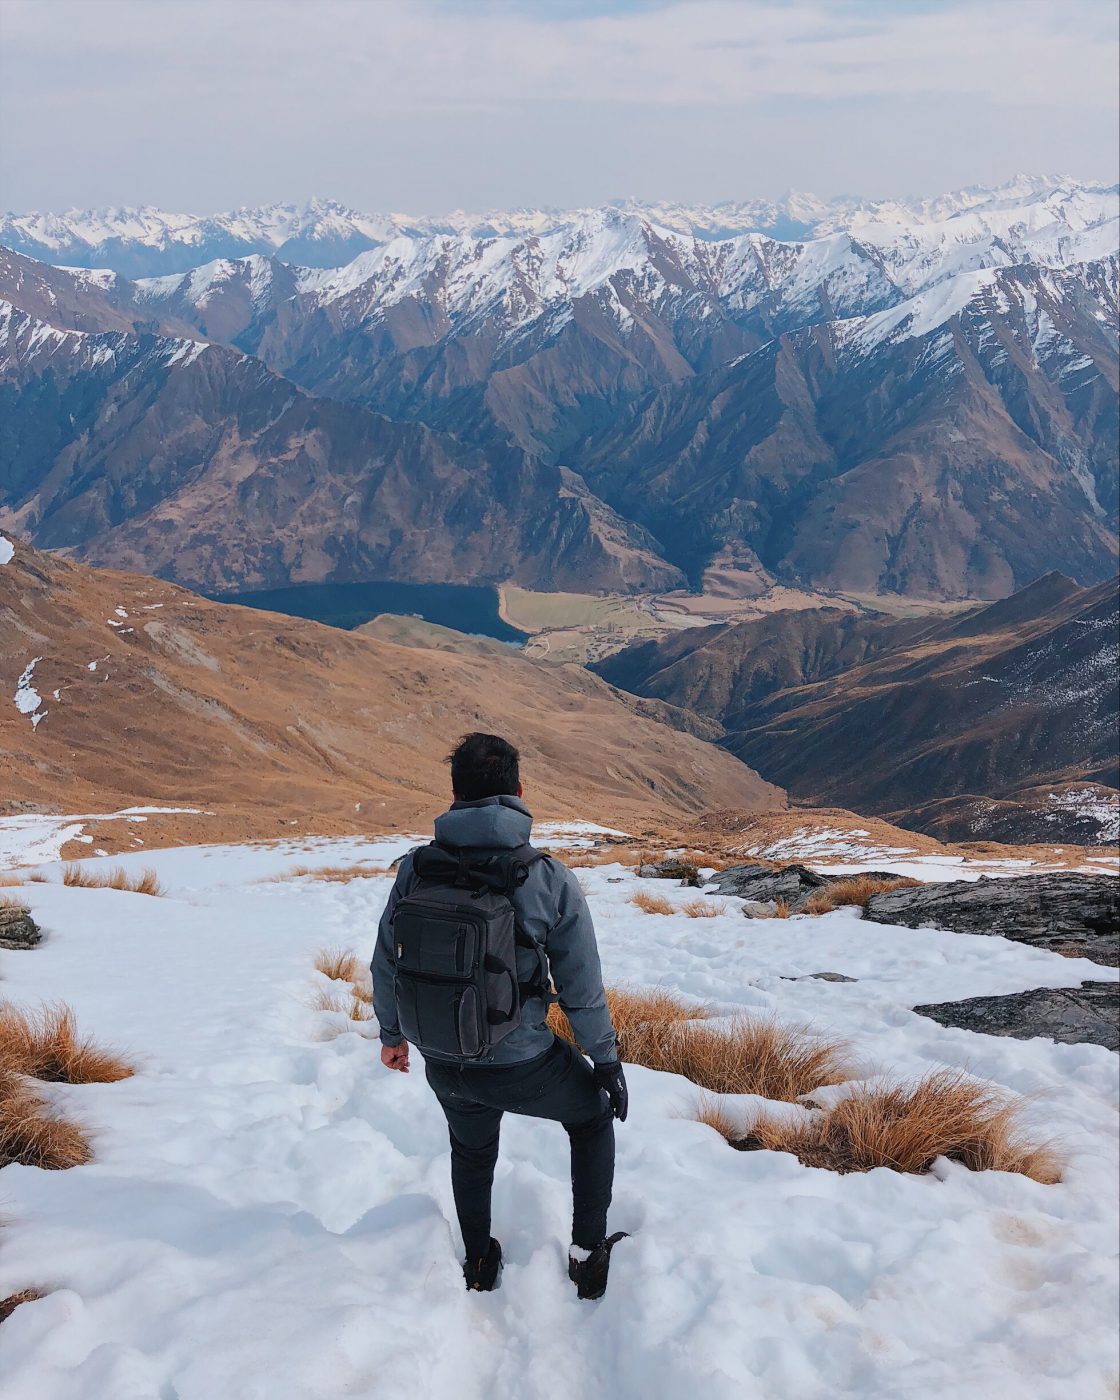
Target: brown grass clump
[857, 889]
[45, 1045]
[748, 1056]
[339, 964]
[781, 909]
[335, 874]
[704, 908]
[147, 882]
[634, 1014]
[353, 1006]
[31, 1134]
[651, 903]
[712, 1114]
[358, 1009]
[741, 1056]
[9, 1304]
[11, 901]
[7, 879]
[906, 1126]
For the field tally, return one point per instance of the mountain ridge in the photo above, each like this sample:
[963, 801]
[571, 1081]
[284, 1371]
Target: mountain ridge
[146, 241]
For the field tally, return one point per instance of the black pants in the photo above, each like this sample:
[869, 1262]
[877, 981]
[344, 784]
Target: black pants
[556, 1085]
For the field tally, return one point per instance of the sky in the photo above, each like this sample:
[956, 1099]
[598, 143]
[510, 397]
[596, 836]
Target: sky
[424, 106]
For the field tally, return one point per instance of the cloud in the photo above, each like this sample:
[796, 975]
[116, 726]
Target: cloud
[121, 80]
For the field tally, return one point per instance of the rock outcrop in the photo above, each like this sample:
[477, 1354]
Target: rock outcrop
[18, 929]
[763, 884]
[1075, 915]
[1073, 1015]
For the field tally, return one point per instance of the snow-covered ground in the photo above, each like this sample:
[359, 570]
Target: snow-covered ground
[269, 1214]
[841, 851]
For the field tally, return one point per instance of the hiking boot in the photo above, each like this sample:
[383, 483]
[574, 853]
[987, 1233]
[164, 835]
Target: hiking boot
[589, 1273]
[482, 1274]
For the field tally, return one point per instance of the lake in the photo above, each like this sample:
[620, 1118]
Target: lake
[466, 608]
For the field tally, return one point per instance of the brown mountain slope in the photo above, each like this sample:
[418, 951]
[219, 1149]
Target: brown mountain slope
[961, 727]
[150, 694]
[1016, 697]
[197, 463]
[858, 456]
[722, 672]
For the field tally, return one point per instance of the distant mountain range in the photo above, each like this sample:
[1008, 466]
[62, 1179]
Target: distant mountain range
[145, 241]
[917, 397]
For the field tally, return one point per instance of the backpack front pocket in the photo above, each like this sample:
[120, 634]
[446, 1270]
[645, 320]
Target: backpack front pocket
[438, 947]
[440, 1017]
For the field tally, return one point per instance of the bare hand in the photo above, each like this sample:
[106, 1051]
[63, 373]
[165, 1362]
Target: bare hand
[395, 1056]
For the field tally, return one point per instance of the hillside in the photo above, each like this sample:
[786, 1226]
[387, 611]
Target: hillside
[970, 726]
[129, 690]
[192, 461]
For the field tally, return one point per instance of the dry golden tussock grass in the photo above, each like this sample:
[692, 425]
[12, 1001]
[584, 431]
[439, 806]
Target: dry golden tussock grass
[704, 908]
[752, 1056]
[11, 901]
[31, 1133]
[906, 1126]
[9, 1304]
[339, 964]
[147, 882]
[740, 1056]
[858, 889]
[651, 903]
[45, 1044]
[335, 874]
[781, 909]
[352, 1006]
[633, 1012]
[7, 880]
[712, 1114]
[582, 856]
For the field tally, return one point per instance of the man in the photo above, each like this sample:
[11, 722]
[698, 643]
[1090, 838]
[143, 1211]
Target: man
[530, 1070]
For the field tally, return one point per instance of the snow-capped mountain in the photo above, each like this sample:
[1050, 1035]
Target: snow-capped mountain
[323, 233]
[839, 410]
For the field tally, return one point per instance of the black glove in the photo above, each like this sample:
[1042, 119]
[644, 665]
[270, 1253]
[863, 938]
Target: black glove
[610, 1077]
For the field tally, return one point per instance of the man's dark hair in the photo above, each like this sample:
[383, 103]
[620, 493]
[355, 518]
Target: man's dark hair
[483, 765]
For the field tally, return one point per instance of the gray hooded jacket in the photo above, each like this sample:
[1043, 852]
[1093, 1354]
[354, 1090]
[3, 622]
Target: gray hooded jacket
[550, 907]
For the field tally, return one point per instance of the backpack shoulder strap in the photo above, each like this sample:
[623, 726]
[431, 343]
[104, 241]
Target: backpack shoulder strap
[501, 871]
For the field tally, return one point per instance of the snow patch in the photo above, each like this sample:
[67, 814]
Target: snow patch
[27, 698]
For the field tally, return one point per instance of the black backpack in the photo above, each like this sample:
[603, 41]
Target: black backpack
[456, 937]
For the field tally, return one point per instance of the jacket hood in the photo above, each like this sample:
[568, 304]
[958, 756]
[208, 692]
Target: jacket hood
[492, 823]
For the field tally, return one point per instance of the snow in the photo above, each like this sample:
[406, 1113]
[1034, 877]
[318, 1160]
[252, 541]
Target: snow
[1025, 203]
[269, 1213]
[183, 352]
[7, 550]
[1100, 805]
[29, 839]
[27, 698]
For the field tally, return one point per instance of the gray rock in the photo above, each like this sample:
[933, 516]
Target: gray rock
[820, 977]
[670, 869]
[1076, 915]
[1089, 1014]
[17, 928]
[758, 909]
[793, 883]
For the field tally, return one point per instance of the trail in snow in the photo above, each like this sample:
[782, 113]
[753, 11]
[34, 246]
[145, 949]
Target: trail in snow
[269, 1214]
